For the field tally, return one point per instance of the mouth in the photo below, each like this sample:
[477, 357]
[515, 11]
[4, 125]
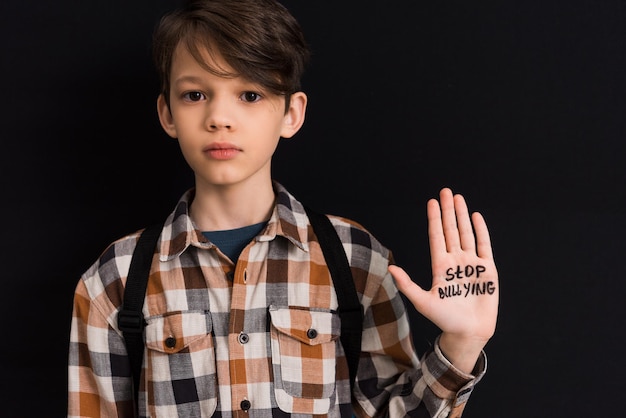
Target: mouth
[222, 151]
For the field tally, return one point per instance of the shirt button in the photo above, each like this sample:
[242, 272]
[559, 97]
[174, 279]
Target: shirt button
[311, 333]
[243, 338]
[170, 342]
[245, 404]
[230, 275]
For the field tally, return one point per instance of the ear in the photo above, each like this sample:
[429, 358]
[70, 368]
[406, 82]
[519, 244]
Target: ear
[294, 117]
[165, 117]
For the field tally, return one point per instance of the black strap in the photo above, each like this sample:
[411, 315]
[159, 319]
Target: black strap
[350, 310]
[130, 319]
[131, 322]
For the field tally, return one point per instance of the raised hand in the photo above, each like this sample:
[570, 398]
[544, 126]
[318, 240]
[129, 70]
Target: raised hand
[463, 298]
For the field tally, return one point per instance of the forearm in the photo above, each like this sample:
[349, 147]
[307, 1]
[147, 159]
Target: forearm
[393, 381]
[432, 388]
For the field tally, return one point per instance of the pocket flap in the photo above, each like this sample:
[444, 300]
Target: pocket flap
[173, 331]
[308, 326]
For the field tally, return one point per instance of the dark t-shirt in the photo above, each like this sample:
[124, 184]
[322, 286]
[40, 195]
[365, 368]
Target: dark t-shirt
[232, 241]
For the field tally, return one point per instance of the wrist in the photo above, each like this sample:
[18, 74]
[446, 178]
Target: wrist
[462, 352]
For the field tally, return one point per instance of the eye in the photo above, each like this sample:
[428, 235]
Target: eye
[193, 96]
[250, 96]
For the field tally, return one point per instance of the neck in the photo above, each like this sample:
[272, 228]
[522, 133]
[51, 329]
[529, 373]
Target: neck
[216, 208]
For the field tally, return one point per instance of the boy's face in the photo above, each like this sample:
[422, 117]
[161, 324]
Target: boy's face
[227, 128]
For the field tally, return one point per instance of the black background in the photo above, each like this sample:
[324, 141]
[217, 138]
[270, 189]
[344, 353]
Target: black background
[518, 105]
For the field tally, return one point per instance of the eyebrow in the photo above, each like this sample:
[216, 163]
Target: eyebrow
[188, 79]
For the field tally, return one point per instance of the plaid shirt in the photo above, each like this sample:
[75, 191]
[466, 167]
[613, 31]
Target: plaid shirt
[231, 340]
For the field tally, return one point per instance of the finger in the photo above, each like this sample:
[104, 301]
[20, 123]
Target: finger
[483, 240]
[466, 232]
[435, 228]
[408, 287]
[448, 218]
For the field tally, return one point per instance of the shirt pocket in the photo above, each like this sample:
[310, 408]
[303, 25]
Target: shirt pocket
[304, 356]
[180, 364]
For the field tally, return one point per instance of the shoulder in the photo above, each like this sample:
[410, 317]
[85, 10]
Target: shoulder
[104, 280]
[364, 251]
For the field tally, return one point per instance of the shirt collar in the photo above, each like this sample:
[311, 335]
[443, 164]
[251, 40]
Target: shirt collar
[288, 220]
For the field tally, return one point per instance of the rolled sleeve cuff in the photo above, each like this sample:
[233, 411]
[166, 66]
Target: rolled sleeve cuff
[448, 382]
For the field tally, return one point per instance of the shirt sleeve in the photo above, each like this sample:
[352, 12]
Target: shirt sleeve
[391, 380]
[99, 382]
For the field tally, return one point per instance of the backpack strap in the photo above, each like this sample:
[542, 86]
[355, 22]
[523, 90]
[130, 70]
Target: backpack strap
[131, 322]
[350, 309]
[130, 319]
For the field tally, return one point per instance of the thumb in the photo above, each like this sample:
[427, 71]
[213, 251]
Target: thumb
[408, 287]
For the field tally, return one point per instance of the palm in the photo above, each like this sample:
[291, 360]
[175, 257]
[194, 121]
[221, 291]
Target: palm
[463, 298]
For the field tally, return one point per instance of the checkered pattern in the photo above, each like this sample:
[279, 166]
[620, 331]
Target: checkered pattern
[263, 334]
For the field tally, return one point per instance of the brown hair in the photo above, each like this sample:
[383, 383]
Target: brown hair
[259, 39]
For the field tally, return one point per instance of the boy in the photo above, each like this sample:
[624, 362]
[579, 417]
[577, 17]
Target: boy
[238, 279]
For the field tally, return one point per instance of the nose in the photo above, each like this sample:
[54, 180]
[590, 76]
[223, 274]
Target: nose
[219, 115]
